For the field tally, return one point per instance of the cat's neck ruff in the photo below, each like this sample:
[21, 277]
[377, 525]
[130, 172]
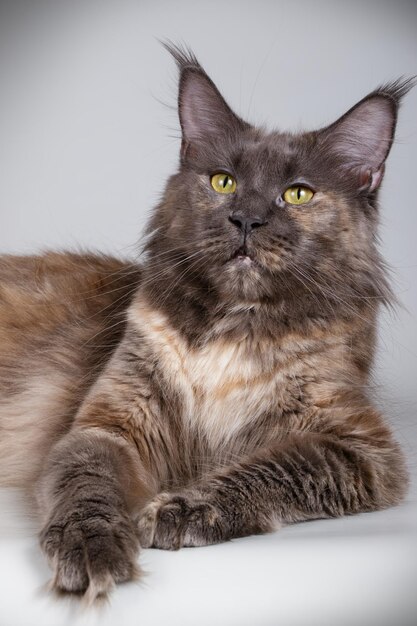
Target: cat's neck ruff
[224, 384]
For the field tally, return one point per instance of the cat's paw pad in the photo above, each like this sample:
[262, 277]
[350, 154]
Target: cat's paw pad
[172, 521]
[89, 555]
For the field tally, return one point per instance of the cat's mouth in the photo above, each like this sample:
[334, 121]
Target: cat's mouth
[242, 256]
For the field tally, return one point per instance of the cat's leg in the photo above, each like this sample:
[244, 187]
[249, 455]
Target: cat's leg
[87, 494]
[308, 476]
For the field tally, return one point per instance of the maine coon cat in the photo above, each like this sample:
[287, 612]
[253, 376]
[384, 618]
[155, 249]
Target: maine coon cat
[219, 388]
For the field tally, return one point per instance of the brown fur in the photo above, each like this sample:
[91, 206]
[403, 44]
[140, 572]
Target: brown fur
[202, 397]
[61, 316]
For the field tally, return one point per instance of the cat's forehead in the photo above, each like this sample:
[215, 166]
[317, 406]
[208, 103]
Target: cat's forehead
[263, 154]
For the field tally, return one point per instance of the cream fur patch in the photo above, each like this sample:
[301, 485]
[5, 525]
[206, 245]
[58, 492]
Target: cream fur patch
[224, 385]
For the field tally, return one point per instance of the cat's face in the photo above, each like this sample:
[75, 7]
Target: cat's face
[252, 214]
[250, 240]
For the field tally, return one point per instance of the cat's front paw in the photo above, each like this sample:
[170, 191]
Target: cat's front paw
[90, 553]
[172, 521]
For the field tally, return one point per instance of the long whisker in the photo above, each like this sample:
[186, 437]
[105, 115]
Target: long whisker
[188, 270]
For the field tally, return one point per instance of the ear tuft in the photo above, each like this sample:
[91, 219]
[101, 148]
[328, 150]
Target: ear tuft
[397, 89]
[183, 55]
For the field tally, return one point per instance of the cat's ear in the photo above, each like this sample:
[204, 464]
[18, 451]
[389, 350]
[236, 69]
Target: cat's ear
[204, 114]
[361, 139]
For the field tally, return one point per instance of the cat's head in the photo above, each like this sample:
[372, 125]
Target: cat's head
[254, 215]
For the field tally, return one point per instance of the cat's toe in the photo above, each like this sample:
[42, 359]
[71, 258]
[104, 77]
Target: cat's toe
[204, 526]
[149, 519]
[172, 521]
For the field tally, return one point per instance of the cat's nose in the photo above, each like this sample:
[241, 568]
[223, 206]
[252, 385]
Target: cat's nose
[246, 224]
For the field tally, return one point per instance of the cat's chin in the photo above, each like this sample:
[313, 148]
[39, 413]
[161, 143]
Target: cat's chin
[242, 276]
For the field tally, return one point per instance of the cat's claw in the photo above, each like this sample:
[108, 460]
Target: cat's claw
[173, 521]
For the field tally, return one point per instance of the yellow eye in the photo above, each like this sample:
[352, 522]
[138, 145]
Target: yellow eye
[223, 183]
[298, 195]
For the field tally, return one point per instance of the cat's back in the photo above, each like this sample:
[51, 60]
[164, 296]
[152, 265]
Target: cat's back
[40, 294]
[61, 316]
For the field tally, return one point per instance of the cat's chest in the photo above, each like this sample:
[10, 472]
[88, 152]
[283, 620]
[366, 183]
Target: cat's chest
[223, 386]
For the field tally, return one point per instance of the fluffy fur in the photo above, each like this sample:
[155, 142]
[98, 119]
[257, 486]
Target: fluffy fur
[220, 388]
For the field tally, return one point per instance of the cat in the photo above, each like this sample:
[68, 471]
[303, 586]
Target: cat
[219, 388]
